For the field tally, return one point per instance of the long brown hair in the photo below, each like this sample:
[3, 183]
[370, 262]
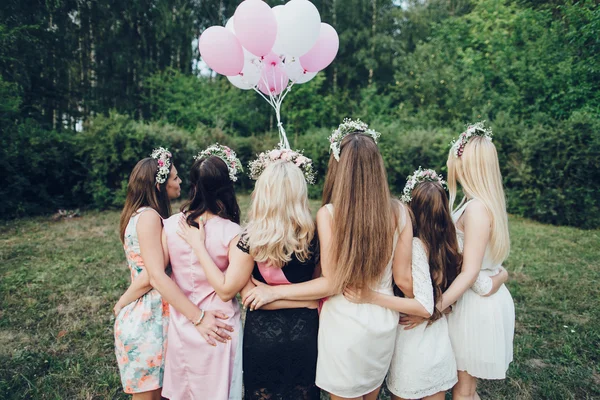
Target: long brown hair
[142, 192]
[365, 215]
[434, 226]
[211, 190]
[329, 179]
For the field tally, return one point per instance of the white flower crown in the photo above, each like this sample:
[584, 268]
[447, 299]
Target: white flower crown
[346, 127]
[420, 175]
[227, 155]
[164, 163]
[295, 157]
[476, 129]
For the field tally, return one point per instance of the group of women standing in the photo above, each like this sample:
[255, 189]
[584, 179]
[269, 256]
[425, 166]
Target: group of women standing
[324, 300]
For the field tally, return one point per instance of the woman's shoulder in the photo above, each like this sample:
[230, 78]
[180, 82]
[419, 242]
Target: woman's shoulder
[227, 224]
[228, 228]
[325, 211]
[400, 210]
[476, 208]
[173, 219]
[147, 215]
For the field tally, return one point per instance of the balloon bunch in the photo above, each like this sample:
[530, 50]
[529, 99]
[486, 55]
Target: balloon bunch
[269, 49]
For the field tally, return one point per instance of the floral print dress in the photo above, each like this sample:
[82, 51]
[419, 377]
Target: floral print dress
[141, 327]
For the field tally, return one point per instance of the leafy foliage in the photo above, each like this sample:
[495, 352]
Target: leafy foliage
[96, 78]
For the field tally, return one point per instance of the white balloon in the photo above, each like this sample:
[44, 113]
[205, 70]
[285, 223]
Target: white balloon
[296, 72]
[278, 47]
[298, 27]
[229, 25]
[307, 76]
[249, 76]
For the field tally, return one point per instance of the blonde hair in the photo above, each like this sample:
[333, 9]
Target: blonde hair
[280, 222]
[478, 173]
[365, 215]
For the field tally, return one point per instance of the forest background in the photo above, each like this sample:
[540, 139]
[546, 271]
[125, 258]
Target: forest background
[88, 87]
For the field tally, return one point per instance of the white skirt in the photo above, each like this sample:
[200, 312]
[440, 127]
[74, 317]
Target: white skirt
[356, 344]
[423, 363]
[482, 330]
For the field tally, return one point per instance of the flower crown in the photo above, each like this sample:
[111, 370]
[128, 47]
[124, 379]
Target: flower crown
[476, 129]
[164, 163]
[227, 155]
[420, 175]
[268, 157]
[346, 127]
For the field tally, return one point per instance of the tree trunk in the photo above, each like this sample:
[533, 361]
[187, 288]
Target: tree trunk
[373, 32]
[335, 68]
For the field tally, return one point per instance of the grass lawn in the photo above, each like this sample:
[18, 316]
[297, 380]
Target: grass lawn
[60, 280]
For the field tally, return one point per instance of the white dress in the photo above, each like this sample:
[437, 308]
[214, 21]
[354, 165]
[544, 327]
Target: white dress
[356, 341]
[482, 328]
[423, 363]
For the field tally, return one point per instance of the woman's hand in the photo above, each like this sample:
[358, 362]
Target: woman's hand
[193, 236]
[497, 281]
[411, 321]
[259, 296]
[358, 296]
[117, 308]
[213, 329]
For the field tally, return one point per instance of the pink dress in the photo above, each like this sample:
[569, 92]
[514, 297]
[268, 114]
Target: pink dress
[193, 368]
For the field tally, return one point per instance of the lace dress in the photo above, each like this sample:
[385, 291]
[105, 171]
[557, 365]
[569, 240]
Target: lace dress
[423, 362]
[280, 346]
[482, 328]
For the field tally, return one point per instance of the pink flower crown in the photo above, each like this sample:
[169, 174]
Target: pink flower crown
[163, 156]
[476, 129]
[295, 157]
[227, 155]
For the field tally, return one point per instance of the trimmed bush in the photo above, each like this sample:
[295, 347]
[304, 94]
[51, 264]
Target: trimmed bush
[38, 169]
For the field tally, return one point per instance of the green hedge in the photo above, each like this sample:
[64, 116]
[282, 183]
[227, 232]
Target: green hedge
[550, 169]
[39, 172]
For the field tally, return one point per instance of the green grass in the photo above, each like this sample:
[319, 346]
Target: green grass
[60, 280]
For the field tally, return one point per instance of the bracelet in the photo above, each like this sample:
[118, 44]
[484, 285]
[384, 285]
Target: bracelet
[199, 320]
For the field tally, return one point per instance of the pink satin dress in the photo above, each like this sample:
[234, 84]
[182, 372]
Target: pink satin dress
[193, 368]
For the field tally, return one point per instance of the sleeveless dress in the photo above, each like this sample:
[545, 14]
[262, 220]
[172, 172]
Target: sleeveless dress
[482, 328]
[141, 326]
[356, 341]
[423, 363]
[280, 346]
[194, 369]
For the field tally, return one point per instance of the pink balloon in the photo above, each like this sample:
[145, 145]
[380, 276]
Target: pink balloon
[255, 26]
[323, 52]
[221, 51]
[271, 59]
[273, 80]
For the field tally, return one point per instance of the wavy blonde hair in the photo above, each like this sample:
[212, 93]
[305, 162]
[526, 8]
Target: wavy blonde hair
[280, 222]
[478, 173]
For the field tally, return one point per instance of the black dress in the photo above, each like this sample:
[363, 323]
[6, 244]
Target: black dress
[280, 346]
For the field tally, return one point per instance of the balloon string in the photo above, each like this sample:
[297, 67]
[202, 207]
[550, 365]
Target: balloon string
[275, 101]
